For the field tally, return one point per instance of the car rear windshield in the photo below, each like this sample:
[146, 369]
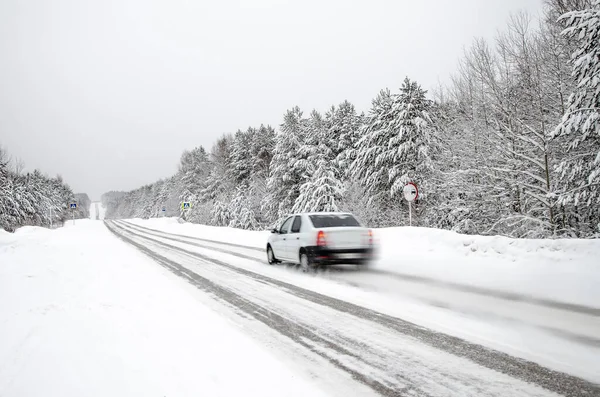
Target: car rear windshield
[333, 220]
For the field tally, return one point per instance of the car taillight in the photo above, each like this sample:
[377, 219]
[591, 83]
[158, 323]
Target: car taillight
[370, 237]
[321, 241]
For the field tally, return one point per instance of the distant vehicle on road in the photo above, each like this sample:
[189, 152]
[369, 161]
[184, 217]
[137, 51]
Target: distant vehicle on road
[320, 238]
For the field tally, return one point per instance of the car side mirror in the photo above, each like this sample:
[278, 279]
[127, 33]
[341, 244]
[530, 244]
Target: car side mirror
[275, 231]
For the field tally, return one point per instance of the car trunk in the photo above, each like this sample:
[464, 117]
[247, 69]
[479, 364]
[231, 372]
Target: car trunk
[346, 237]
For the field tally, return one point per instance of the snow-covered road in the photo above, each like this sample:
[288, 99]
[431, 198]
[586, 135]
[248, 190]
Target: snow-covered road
[84, 312]
[97, 211]
[353, 324]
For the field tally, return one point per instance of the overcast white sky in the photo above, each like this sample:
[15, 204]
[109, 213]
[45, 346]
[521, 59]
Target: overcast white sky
[109, 93]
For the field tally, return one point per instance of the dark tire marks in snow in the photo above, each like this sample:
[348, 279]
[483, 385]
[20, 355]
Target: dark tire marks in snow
[571, 307]
[345, 352]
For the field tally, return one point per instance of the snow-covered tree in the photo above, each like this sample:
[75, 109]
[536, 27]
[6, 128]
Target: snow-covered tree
[287, 168]
[322, 192]
[194, 170]
[218, 184]
[322, 189]
[345, 127]
[220, 215]
[241, 162]
[7, 202]
[396, 144]
[262, 149]
[580, 169]
[32, 198]
[240, 212]
[523, 110]
[500, 110]
[481, 152]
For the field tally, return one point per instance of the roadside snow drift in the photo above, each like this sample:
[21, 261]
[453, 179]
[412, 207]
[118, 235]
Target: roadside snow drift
[83, 314]
[565, 270]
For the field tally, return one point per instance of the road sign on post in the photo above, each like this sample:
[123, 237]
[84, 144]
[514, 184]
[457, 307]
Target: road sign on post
[73, 208]
[411, 193]
[185, 206]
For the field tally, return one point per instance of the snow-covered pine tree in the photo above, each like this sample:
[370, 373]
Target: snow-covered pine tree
[7, 199]
[194, 168]
[64, 195]
[344, 131]
[322, 189]
[286, 171]
[411, 154]
[171, 193]
[395, 147]
[251, 158]
[218, 186]
[262, 149]
[30, 199]
[375, 137]
[83, 206]
[240, 157]
[240, 211]
[579, 172]
[220, 215]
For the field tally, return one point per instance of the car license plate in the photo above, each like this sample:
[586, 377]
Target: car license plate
[349, 255]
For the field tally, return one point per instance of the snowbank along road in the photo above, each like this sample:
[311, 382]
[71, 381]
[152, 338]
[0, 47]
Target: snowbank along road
[337, 341]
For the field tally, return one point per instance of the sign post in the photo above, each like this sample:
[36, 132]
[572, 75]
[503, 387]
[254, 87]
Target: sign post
[73, 208]
[411, 193]
[185, 206]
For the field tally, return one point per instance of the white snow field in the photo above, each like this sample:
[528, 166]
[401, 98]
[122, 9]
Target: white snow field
[84, 314]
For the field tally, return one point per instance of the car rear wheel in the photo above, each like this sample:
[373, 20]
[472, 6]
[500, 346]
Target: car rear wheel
[304, 262]
[271, 256]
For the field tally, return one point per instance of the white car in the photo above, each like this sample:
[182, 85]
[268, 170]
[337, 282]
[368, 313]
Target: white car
[320, 238]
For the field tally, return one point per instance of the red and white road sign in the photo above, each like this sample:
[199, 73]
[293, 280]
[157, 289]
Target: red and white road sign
[411, 192]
